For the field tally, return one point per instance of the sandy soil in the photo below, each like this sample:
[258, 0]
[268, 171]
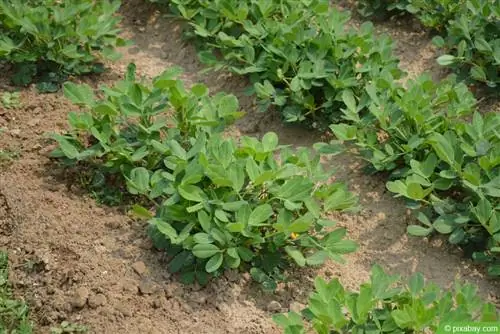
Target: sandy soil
[75, 260]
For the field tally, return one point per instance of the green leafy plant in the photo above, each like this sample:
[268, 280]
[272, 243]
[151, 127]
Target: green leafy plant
[435, 13]
[444, 165]
[381, 9]
[299, 55]
[400, 119]
[387, 304]
[68, 327]
[472, 42]
[50, 39]
[131, 125]
[235, 206]
[431, 13]
[217, 204]
[13, 313]
[10, 100]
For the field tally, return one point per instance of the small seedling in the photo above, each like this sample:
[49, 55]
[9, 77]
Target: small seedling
[67, 327]
[13, 313]
[10, 100]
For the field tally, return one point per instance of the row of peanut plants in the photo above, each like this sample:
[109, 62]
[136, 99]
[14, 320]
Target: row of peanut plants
[304, 60]
[468, 32]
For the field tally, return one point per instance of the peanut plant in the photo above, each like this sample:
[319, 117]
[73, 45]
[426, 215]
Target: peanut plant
[386, 304]
[212, 203]
[49, 40]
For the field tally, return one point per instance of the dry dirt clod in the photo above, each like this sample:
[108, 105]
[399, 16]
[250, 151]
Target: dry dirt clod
[197, 298]
[160, 302]
[232, 275]
[97, 300]
[174, 290]
[140, 268]
[128, 285]
[147, 287]
[123, 309]
[79, 298]
[16, 132]
[34, 122]
[296, 307]
[274, 306]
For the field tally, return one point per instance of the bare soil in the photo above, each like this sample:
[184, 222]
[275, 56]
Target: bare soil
[77, 261]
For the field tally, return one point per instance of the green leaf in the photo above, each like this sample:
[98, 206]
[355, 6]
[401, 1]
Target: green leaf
[295, 189]
[418, 231]
[177, 149]
[415, 191]
[245, 254]
[443, 225]
[203, 238]
[79, 94]
[301, 224]
[477, 73]
[165, 228]
[138, 182]
[233, 206]
[446, 60]
[214, 263]
[317, 258]
[270, 141]
[457, 236]
[483, 211]
[141, 212]
[438, 41]
[205, 221]
[252, 169]
[191, 192]
[397, 187]
[199, 90]
[179, 261]
[343, 247]
[443, 148]
[69, 150]
[296, 255]
[221, 215]
[204, 251]
[402, 318]
[416, 283]
[341, 199]
[235, 227]
[344, 132]
[349, 100]
[260, 215]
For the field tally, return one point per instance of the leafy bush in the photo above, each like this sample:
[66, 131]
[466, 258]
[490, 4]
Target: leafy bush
[217, 203]
[400, 119]
[381, 8]
[300, 55]
[131, 125]
[473, 42]
[435, 13]
[51, 39]
[431, 13]
[448, 168]
[13, 313]
[387, 305]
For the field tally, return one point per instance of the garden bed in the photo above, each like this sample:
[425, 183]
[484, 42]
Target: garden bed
[75, 260]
